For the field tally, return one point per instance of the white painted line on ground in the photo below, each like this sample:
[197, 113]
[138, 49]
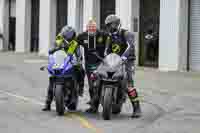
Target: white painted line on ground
[22, 98]
[83, 121]
[31, 61]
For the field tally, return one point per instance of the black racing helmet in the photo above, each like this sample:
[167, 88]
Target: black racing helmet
[113, 23]
[68, 33]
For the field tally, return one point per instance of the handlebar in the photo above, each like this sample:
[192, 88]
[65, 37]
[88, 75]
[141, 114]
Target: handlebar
[60, 47]
[54, 50]
[97, 55]
[43, 68]
[124, 61]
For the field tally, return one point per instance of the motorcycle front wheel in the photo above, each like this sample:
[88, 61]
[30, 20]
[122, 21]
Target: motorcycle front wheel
[59, 99]
[74, 96]
[107, 103]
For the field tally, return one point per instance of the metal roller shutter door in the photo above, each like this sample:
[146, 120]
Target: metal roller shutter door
[195, 35]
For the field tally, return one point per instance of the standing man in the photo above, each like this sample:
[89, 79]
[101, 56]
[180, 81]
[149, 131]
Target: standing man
[122, 43]
[93, 40]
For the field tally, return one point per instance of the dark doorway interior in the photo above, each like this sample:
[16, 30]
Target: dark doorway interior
[35, 7]
[12, 31]
[149, 32]
[62, 7]
[12, 25]
[106, 7]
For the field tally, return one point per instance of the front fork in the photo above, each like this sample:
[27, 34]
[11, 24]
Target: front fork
[114, 94]
[66, 91]
[118, 99]
[54, 87]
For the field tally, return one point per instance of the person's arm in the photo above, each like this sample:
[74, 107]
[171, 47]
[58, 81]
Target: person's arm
[54, 49]
[130, 41]
[80, 39]
[107, 45]
[1, 35]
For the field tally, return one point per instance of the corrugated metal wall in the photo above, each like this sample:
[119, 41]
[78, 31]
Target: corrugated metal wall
[195, 35]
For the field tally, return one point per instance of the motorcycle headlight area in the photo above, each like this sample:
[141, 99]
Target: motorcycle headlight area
[103, 74]
[113, 75]
[117, 75]
[57, 69]
[58, 66]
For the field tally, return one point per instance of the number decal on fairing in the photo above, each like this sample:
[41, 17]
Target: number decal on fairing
[116, 48]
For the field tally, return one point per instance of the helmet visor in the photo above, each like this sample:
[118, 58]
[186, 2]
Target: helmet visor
[112, 27]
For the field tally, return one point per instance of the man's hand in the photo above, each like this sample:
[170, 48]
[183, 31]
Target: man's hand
[124, 58]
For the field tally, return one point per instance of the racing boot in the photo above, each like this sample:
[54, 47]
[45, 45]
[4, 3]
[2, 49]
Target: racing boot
[49, 97]
[133, 96]
[89, 102]
[47, 107]
[136, 110]
[92, 110]
[91, 96]
[81, 89]
[94, 105]
[81, 77]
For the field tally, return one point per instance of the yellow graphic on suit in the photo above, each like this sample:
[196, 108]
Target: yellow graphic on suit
[72, 47]
[116, 48]
[59, 39]
[100, 40]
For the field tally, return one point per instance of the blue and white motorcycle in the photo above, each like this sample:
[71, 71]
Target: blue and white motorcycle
[61, 68]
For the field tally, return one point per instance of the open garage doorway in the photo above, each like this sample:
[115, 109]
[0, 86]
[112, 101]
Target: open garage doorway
[106, 7]
[149, 32]
[62, 12]
[12, 25]
[35, 7]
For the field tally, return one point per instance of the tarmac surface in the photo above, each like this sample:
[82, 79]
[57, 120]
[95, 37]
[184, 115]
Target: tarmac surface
[170, 102]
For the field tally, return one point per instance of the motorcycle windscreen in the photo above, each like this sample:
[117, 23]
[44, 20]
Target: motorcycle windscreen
[113, 61]
[59, 57]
